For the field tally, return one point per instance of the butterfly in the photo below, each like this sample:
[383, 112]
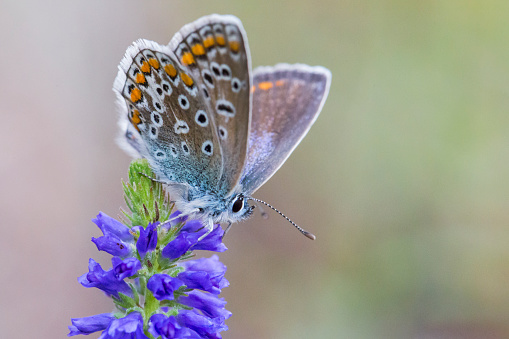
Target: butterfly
[212, 130]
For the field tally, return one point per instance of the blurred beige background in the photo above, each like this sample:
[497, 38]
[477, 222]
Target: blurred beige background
[403, 178]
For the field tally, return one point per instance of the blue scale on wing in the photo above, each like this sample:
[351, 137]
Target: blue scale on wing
[167, 114]
[215, 51]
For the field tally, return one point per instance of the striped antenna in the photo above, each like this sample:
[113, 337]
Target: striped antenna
[306, 233]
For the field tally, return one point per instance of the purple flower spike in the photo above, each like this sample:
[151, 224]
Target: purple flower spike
[209, 304]
[125, 268]
[131, 326]
[204, 326]
[89, 325]
[104, 280]
[148, 239]
[163, 286]
[169, 328]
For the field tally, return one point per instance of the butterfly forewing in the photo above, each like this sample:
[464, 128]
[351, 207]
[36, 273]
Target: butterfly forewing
[215, 51]
[286, 101]
[169, 123]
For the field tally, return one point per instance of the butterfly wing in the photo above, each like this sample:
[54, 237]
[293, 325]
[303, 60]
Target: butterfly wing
[215, 50]
[164, 118]
[286, 102]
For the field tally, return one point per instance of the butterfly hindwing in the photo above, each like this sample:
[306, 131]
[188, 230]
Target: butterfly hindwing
[286, 101]
[214, 49]
[167, 121]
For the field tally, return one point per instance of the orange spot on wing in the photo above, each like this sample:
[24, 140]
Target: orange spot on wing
[253, 88]
[198, 49]
[135, 120]
[135, 95]
[140, 78]
[280, 83]
[145, 67]
[170, 70]
[234, 46]
[265, 85]
[220, 40]
[208, 42]
[187, 58]
[186, 79]
[154, 63]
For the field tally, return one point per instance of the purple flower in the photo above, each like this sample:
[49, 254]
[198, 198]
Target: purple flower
[209, 304]
[179, 246]
[130, 326]
[212, 242]
[204, 326]
[106, 281]
[117, 238]
[148, 239]
[188, 240]
[89, 325]
[169, 328]
[163, 286]
[125, 268]
[205, 274]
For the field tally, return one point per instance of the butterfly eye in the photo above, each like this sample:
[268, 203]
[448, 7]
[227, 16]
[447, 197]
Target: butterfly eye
[238, 204]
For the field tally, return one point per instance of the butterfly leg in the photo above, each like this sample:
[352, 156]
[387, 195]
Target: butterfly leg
[209, 227]
[227, 229]
[153, 179]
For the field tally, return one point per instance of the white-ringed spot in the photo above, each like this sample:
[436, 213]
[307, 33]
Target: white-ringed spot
[207, 77]
[207, 147]
[165, 85]
[201, 118]
[181, 127]
[159, 154]
[223, 133]
[185, 148]
[156, 118]
[173, 150]
[225, 108]
[216, 70]
[205, 92]
[183, 101]
[226, 72]
[236, 85]
[153, 131]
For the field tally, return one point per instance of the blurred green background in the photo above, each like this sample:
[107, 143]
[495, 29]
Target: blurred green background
[403, 178]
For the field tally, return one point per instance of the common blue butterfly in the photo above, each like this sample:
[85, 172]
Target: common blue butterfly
[212, 130]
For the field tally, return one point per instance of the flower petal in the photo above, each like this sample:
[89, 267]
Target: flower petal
[163, 286]
[147, 240]
[125, 268]
[169, 328]
[131, 326]
[104, 280]
[209, 304]
[110, 226]
[204, 326]
[90, 324]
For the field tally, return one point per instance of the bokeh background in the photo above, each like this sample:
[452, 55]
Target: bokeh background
[403, 178]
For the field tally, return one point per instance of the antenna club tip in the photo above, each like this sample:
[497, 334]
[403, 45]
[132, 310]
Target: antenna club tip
[310, 235]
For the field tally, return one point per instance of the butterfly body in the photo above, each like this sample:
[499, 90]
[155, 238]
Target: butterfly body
[213, 130]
